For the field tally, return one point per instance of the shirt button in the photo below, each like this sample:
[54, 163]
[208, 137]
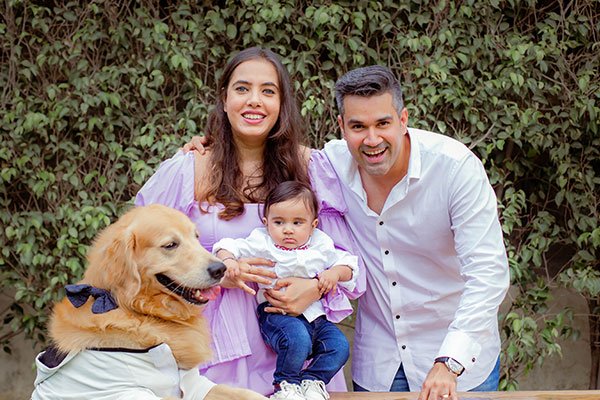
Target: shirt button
[473, 359]
[403, 347]
[380, 222]
[387, 252]
[397, 317]
[393, 283]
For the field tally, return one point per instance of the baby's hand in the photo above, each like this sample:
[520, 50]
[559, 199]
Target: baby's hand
[233, 268]
[328, 280]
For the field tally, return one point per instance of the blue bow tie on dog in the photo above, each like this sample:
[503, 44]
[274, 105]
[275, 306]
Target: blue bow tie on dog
[78, 295]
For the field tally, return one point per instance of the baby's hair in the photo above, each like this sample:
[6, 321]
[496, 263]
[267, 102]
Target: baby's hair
[289, 190]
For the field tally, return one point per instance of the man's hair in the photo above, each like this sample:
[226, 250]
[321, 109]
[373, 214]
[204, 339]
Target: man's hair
[292, 190]
[366, 82]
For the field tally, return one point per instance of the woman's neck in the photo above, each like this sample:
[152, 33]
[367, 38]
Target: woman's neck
[251, 157]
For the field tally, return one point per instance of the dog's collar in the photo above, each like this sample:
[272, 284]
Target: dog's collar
[78, 295]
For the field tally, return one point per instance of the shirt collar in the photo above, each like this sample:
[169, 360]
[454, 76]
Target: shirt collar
[414, 159]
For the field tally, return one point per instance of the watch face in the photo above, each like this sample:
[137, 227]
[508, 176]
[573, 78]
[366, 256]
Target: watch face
[454, 366]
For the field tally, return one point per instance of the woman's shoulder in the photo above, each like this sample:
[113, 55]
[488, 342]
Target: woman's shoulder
[171, 184]
[305, 153]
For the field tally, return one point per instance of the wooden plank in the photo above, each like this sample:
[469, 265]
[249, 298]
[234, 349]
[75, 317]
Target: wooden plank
[521, 395]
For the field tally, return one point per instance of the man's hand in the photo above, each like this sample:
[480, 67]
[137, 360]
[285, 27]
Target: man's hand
[197, 143]
[440, 384]
[299, 293]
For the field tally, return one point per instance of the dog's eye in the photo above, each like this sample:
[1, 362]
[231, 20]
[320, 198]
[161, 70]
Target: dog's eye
[197, 235]
[171, 246]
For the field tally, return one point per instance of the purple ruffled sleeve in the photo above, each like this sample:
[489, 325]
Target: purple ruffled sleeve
[331, 221]
[172, 184]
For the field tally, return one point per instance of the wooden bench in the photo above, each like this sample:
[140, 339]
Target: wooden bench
[520, 395]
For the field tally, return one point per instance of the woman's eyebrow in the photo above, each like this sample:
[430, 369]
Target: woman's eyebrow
[243, 82]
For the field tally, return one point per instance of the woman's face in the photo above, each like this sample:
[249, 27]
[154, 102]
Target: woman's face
[253, 99]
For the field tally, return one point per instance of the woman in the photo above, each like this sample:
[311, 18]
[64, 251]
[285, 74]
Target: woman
[254, 139]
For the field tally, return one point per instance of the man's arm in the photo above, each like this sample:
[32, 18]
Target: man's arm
[484, 267]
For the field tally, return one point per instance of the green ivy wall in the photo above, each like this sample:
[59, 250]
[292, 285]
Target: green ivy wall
[95, 94]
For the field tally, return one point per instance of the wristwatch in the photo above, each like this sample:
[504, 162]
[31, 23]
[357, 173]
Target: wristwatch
[453, 366]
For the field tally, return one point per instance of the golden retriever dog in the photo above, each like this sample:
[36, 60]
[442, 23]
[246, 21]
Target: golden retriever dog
[133, 327]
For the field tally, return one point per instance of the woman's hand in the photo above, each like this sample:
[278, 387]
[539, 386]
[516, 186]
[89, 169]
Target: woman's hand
[250, 271]
[299, 293]
[197, 143]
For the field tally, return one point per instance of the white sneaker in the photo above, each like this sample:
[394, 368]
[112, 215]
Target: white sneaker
[314, 390]
[288, 391]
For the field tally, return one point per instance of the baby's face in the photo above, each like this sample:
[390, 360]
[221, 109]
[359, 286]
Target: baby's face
[290, 223]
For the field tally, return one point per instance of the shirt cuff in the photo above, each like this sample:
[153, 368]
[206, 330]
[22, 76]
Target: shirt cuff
[193, 385]
[461, 347]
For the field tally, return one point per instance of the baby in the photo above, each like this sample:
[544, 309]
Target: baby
[290, 238]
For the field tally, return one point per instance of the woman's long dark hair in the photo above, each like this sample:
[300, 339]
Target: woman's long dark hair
[281, 159]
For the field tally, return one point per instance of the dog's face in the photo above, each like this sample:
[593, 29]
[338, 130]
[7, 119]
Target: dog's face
[152, 263]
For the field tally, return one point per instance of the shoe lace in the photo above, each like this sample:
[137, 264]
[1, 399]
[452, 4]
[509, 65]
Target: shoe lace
[289, 388]
[318, 386]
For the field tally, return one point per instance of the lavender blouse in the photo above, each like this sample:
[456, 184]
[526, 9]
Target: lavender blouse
[240, 357]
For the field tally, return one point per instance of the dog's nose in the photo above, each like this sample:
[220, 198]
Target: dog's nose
[216, 270]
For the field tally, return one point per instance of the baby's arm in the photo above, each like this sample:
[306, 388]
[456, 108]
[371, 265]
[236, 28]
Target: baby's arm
[329, 278]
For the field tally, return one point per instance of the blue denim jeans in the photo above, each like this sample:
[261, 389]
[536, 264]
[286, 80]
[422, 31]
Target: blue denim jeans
[296, 340]
[400, 383]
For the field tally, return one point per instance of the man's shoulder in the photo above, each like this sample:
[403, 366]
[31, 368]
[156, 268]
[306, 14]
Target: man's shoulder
[437, 144]
[336, 148]
[338, 159]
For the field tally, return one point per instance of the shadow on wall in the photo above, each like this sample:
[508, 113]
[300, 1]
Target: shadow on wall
[17, 371]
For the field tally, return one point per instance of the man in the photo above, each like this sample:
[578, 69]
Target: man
[424, 216]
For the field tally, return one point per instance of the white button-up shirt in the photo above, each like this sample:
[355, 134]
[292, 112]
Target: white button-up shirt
[435, 262]
[307, 261]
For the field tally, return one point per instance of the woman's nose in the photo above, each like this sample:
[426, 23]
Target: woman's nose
[254, 99]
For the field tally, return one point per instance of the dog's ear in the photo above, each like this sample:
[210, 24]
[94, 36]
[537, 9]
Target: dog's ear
[112, 264]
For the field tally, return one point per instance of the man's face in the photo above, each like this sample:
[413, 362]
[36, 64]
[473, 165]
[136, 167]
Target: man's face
[375, 134]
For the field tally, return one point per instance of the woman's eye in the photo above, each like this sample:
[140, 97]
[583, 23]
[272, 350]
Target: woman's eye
[241, 89]
[171, 246]
[269, 91]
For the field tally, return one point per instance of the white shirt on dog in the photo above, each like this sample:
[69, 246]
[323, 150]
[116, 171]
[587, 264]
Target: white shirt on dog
[117, 375]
